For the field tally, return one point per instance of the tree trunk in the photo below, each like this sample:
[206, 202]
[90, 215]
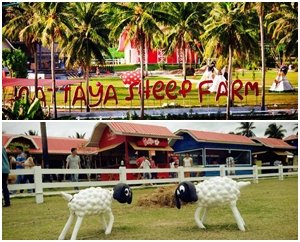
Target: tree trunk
[35, 71]
[146, 56]
[142, 76]
[184, 62]
[53, 79]
[229, 83]
[191, 58]
[263, 71]
[44, 144]
[87, 89]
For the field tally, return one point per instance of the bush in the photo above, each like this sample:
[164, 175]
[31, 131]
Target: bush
[16, 62]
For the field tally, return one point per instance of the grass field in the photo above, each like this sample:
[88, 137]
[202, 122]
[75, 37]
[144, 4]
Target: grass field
[280, 100]
[270, 210]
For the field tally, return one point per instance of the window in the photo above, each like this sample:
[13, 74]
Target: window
[197, 156]
[219, 156]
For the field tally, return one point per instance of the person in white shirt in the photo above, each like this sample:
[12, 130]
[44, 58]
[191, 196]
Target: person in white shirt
[146, 165]
[187, 162]
[73, 162]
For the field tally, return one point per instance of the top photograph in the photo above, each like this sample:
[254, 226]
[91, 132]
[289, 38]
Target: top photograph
[149, 60]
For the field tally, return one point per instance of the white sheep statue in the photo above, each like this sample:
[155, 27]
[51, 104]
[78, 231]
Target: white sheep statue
[211, 193]
[92, 201]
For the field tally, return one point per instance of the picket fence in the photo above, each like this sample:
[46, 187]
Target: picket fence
[40, 186]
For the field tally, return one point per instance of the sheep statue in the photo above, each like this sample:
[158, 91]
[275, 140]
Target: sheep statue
[93, 201]
[211, 193]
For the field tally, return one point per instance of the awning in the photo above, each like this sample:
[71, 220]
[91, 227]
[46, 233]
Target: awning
[259, 152]
[284, 153]
[110, 147]
[134, 146]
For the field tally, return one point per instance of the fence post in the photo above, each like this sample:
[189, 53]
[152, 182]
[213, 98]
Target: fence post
[180, 173]
[123, 176]
[280, 171]
[222, 170]
[38, 182]
[255, 174]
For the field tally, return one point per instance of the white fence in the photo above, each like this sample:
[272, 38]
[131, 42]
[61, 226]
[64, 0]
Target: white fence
[39, 185]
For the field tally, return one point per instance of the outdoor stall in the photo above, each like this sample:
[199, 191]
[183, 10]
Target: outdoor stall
[122, 143]
[210, 149]
[275, 151]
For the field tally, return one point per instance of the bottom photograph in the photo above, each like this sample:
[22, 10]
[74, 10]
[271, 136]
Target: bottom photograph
[147, 180]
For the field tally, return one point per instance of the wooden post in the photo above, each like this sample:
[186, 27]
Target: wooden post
[38, 182]
[123, 176]
[180, 173]
[255, 174]
[222, 171]
[280, 171]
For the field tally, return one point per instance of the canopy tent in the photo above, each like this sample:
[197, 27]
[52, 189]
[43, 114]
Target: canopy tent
[12, 82]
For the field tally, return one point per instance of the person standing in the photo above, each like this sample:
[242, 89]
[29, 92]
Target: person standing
[187, 162]
[73, 162]
[21, 157]
[153, 166]
[28, 164]
[5, 172]
[146, 165]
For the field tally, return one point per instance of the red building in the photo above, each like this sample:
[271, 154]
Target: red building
[119, 141]
[58, 148]
[155, 56]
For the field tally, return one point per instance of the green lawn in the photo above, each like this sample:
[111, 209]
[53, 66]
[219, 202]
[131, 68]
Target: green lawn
[269, 209]
[279, 100]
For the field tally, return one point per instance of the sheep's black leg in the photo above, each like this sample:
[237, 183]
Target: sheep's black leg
[76, 228]
[197, 218]
[67, 227]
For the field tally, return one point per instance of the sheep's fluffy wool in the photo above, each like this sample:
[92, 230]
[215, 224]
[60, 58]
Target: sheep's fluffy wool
[217, 191]
[91, 201]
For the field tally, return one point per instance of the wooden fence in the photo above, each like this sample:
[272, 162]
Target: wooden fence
[39, 186]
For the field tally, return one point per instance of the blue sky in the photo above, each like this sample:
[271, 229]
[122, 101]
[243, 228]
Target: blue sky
[68, 128]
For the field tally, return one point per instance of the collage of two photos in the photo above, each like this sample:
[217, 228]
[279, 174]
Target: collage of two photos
[149, 120]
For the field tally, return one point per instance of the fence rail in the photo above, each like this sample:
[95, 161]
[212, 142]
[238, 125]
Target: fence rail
[39, 185]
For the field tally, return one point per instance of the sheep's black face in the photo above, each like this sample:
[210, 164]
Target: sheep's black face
[122, 193]
[186, 192]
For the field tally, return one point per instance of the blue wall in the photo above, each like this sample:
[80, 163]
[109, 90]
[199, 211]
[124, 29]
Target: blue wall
[188, 144]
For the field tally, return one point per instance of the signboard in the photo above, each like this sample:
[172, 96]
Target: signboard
[159, 91]
[152, 142]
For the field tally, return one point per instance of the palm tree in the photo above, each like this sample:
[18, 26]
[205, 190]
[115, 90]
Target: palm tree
[246, 129]
[283, 25]
[55, 21]
[32, 133]
[23, 26]
[78, 136]
[229, 32]
[138, 19]
[87, 39]
[275, 131]
[44, 144]
[184, 22]
[295, 128]
[260, 9]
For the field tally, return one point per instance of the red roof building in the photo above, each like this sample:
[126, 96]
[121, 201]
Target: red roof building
[155, 56]
[120, 142]
[274, 143]
[58, 147]
[275, 150]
